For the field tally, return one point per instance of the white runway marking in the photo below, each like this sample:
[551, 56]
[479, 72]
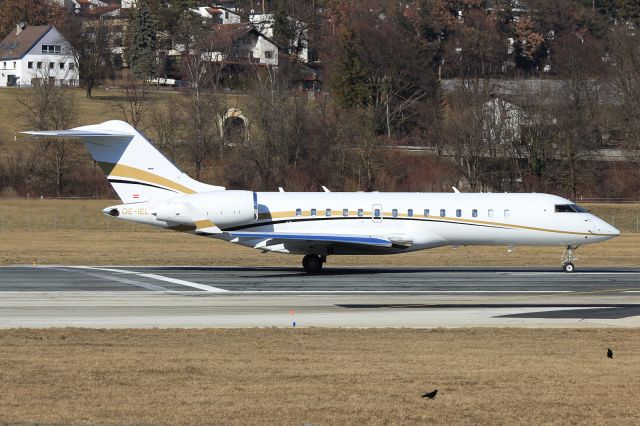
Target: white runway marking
[203, 287]
[532, 274]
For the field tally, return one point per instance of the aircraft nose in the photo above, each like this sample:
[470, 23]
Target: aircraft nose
[601, 227]
[613, 231]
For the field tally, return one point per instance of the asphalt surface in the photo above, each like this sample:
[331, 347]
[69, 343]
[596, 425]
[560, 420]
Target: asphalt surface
[42, 296]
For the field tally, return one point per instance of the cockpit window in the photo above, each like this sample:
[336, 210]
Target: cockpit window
[570, 208]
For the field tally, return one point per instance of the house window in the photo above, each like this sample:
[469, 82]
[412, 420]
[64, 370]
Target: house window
[298, 212]
[394, 212]
[490, 213]
[268, 54]
[30, 65]
[313, 212]
[507, 213]
[458, 213]
[360, 212]
[474, 213]
[226, 15]
[345, 212]
[52, 49]
[410, 212]
[51, 65]
[72, 66]
[426, 212]
[39, 65]
[327, 212]
[443, 213]
[61, 65]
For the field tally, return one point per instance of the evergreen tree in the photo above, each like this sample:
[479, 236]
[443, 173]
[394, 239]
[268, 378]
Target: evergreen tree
[284, 29]
[350, 82]
[142, 42]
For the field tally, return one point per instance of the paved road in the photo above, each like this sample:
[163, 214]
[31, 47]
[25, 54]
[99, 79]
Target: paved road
[362, 297]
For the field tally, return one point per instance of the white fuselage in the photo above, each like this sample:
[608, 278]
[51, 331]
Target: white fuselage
[415, 220]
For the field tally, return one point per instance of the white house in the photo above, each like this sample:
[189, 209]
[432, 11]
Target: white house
[241, 44]
[264, 22]
[218, 14]
[31, 54]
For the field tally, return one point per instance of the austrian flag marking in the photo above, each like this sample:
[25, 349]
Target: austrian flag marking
[136, 195]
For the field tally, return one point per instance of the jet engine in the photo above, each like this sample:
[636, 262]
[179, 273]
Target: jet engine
[223, 208]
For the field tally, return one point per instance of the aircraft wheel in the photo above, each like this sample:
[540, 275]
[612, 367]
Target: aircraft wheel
[568, 267]
[312, 263]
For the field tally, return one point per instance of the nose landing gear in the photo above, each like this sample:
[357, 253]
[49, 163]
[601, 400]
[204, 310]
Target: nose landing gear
[312, 263]
[568, 259]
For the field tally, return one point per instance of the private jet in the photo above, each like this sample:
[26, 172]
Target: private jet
[317, 225]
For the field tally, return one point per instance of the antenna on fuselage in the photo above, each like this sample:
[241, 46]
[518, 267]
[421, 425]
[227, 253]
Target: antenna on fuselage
[325, 189]
[280, 189]
[455, 189]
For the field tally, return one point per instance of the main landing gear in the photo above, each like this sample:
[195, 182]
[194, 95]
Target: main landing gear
[312, 263]
[567, 259]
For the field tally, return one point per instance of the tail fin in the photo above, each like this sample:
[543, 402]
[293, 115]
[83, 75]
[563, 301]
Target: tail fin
[136, 169]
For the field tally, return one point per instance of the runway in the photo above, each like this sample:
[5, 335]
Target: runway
[85, 296]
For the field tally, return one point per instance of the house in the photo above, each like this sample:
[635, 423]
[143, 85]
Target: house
[240, 44]
[218, 14]
[264, 22]
[32, 54]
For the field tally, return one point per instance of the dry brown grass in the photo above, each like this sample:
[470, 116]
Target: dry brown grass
[85, 236]
[319, 376]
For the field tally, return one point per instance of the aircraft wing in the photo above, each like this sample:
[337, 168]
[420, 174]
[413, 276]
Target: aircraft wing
[325, 238]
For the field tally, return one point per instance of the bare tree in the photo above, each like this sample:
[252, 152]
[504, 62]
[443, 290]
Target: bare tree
[49, 106]
[91, 49]
[464, 133]
[135, 103]
[626, 84]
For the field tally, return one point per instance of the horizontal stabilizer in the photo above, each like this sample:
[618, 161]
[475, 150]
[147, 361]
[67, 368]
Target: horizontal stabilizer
[78, 134]
[328, 238]
[135, 168]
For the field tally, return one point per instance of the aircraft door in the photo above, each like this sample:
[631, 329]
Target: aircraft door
[376, 213]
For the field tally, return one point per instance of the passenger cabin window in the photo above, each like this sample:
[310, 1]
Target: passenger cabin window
[507, 213]
[426, 212]
[570, 208]
[376, 213]
[327, 212]
[458, 213]
[474, 213]
[410, 212]
[394, 212]
[298, 212]
[345, 212]
[490, 213]
[360, 213]
[443, 213]
[313, 212]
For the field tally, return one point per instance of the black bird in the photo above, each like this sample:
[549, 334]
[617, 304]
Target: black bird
[431, 395]
[609, 353]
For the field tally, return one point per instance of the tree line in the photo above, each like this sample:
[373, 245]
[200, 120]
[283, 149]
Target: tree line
[502, 95]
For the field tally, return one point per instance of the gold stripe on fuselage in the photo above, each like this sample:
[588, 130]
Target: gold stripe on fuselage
[387, 215]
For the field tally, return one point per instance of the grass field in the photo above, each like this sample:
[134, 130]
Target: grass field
[76, 232]
[314, 376]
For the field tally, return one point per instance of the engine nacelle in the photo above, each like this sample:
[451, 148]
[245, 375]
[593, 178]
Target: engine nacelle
[223, 208]
[174, 213]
